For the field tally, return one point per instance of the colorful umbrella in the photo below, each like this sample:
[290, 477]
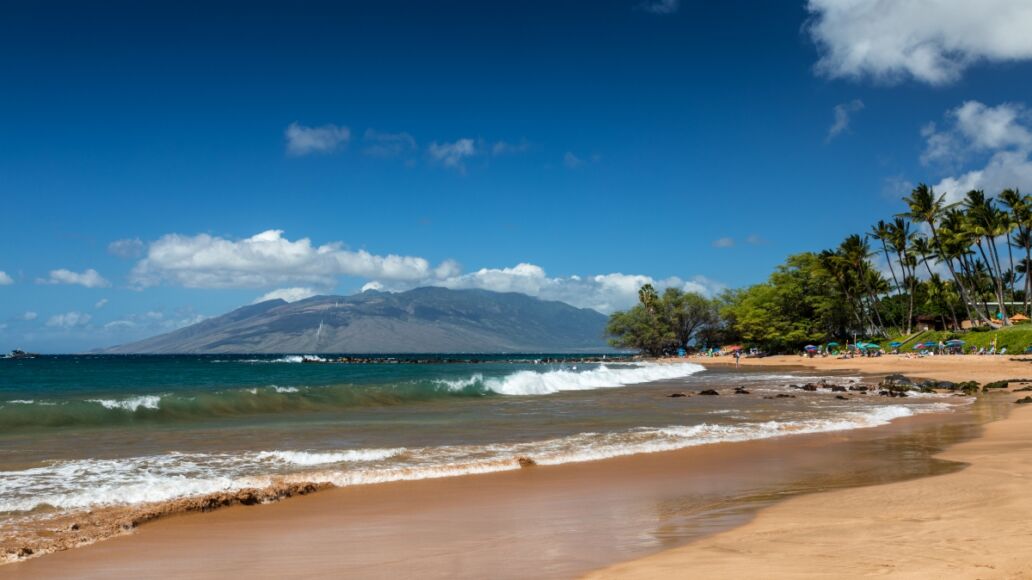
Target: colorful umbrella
[810, 347]
[833, 344]
[895, 343]
[920, 346]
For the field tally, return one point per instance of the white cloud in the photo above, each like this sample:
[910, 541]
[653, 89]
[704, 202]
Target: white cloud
[724, 243]
[843, 112]
[453, 155]
[287, 294]
[661, 6]
[999, 139]
[374, 285]
[89, 278]
[100, 303]
[755, 240]
[29, 315]
[387, 144]
[154, 321]
[932, 41]
[69, 320]
[302, 140]
[268, 259]
[126, 248]
[5, 280]
[506, 148]
[604, 292]
[571, 161]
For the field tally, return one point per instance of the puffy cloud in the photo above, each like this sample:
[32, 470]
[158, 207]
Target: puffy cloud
[571, 161]
[843, 112]
[126, 248]
[100, 303]
[604, 292]
[506, 148]
[69, 320]
[999, 137]
[661, 6]
[267, 259]
[724, 243]
[387, 144]
[154, 321]
[932, 41]
[29, 315]
[5, 280]
[302, 140]
[453, 155]
[287, 294]
[89, 278]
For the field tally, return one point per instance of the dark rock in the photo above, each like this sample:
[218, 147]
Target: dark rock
[741, 391]
[24, 552]
[1023, 389]
[784, 396]
[810, 387]
[525, 461]
[838, 389]
[676, 395]
[1024, 401]
[73, 527]
[709, 392]
[841, 398]
[994, 385]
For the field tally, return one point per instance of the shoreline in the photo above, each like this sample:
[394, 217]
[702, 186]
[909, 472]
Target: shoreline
[972, 523]
[173, 520]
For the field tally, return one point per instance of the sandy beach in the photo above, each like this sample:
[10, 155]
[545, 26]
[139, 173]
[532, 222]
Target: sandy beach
[710, 511]
[975, 523]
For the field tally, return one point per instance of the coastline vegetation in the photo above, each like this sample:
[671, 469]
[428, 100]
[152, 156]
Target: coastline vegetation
[939, 270]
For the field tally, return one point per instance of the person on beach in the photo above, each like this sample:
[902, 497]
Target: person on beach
[738, 358]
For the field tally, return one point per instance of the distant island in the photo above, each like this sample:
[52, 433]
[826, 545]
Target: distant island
[423, 320]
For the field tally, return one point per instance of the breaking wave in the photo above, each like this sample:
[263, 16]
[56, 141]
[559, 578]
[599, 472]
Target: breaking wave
[192, 406]
[88, 483]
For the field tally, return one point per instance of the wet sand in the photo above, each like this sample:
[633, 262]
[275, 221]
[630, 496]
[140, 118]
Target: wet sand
[973, 523]
[553, 522]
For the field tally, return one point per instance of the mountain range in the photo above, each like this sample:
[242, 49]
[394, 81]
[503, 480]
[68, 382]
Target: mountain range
[423, 320]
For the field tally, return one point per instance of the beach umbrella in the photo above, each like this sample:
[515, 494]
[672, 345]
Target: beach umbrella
[810, 347]
[919, 346]
[895, 343]
[955, 342]
[833, 344]
[732, 348]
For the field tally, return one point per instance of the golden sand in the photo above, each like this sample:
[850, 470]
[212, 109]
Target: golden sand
[976, 523]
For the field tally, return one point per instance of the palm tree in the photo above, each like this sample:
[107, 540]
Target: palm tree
[882, 231]
[984, 220]
[925, 206]
[1021, 217]
[899, 239]
[923, 249]
[648, 297]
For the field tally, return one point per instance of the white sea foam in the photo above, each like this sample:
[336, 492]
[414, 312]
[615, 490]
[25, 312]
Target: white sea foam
[95, 482]
[554, 381]
[321, 458]
[130, 404]
[284, 389]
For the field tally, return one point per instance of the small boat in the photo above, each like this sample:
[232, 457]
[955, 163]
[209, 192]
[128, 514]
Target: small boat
[21, 354]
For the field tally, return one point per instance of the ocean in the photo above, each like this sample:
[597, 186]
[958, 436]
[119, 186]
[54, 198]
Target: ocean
[81, 433]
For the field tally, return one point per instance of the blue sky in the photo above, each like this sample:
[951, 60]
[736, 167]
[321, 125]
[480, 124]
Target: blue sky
[162, 162]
